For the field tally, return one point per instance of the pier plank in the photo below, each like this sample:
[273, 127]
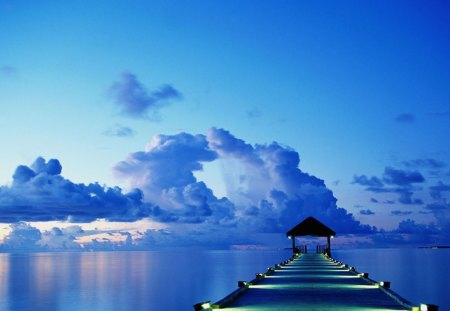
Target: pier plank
[312, 282]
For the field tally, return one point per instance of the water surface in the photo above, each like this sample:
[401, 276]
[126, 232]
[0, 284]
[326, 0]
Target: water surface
[175, 280]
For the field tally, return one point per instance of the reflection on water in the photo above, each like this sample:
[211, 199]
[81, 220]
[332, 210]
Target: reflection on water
[124, 280]
[419, 275]
[146, 281]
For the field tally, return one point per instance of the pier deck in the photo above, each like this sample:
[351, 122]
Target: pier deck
[312, 282]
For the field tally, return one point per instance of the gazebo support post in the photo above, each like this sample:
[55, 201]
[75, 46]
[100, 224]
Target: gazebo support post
[328, 246]
[293, 244]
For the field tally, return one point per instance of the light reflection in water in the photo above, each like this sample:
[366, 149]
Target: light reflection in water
[146, 281]
[123, 281]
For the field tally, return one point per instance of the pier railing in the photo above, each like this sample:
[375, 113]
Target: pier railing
[302, 249]
[322, 249]
[244, 286]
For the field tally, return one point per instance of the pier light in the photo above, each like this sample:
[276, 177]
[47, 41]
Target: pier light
[332, 236]
[364, 275]
[242, 284]
[427, 307]
[290, 237]
[203, 306]
[386, 284]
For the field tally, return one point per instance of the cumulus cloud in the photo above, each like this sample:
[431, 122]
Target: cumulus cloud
[39, 193]
[266, 190]
[119, 131]
[165, 173]
[405, 118]
[366, 212]
[136, 101]
[22, 237]
[61, 239]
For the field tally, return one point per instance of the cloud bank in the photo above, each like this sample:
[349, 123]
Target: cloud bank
[423, 186]
[39, 193]
[398, 181]
[267, 191]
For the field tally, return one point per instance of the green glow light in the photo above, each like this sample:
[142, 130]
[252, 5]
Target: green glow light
[313, 276]
[285, 286]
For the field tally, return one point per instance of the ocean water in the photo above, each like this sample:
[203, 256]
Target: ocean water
[175, 280]
[420, 275]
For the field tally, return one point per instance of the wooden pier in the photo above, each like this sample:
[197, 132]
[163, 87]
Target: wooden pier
[313, 282]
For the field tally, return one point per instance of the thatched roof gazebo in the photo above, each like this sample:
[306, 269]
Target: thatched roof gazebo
[311, 227]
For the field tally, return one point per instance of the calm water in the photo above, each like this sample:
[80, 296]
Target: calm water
[419, 275]
[172, 280]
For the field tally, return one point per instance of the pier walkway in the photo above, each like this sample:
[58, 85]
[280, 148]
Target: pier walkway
[312, 282]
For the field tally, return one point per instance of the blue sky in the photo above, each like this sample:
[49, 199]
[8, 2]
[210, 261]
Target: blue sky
[358, 90]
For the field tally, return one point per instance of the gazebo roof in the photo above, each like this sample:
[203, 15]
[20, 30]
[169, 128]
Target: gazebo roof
[311, 226]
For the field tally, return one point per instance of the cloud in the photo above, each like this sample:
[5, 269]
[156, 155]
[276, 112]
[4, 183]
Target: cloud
[436, 191]
[425, 163]
[39, 193]
[119, 131]
[393, 180]
[22, 237]
[136, 101]
[411, 227]
[266, 190]
[400, 213]
[401, 177]
[8, 71]
[405, 118]
[165, 173]
[366, 212]
[363, 180]
[61, 239]
[410, 233]
[406, 197]
[441, 212]
[253, 113]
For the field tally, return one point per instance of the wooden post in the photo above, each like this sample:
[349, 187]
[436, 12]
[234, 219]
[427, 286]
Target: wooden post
[328, 246]
[293, 244]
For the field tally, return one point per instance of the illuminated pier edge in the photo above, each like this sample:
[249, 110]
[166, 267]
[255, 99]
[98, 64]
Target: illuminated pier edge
[312, 227]
[244, 286]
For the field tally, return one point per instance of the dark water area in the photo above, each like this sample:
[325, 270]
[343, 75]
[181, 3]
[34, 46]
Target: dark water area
[175, 280]
[420, 275]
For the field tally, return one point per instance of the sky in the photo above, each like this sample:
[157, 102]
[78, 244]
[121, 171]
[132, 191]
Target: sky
[148, 124]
